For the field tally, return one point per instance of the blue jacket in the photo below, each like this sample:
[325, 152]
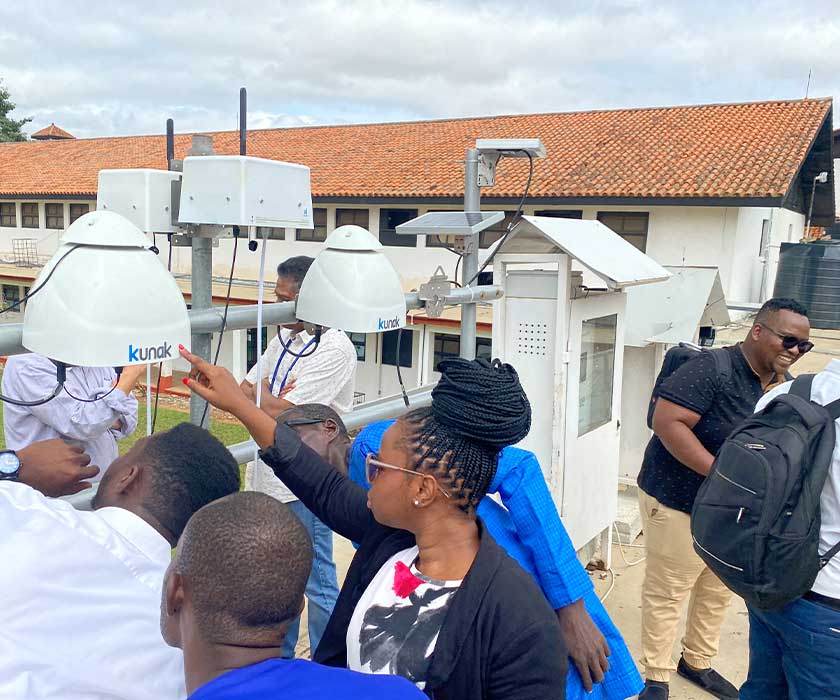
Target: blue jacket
[528, 527]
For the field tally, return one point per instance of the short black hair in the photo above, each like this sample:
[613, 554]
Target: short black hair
[295, 268]
[775, 304]
[316, 412]
[245, 560]
[189, 468]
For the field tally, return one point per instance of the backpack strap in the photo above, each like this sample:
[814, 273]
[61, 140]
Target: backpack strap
[801, 386]
[825, 558]
[723, 363]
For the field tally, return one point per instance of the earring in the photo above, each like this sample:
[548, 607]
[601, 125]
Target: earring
[416, 503]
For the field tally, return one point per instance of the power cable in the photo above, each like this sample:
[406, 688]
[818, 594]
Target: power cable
[399, 373]
[61, 377]
[515, 220]
[160, 364]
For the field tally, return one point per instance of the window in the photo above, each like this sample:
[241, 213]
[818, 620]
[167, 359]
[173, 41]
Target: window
[490, 235]
[252, 353]
[11, 295]
[270, 233]
[29, 215]
[448, 346]
[356, 217]
[389, 348]
[77, 210]
[55, 215]
[319, 232]
[631, 226]
[597, 363]
[389, 219]
[765, 238]
[359, 342]
[560, 213]
[8, 216]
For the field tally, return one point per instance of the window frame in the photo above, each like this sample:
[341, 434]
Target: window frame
[439, 354]
[356, 213]
[406, 346]
[8, 220]
[318, 232]
[77, 205]
[359, 341]
[391, 237]
[499, 228]
[629, 235]
[53, 221]
[36, 217]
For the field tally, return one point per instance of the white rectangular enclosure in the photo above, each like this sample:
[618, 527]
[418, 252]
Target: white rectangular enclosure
[245, 191]
[566, 340]
[143, 196]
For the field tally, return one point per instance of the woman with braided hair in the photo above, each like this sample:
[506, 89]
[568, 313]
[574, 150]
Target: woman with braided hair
[429, 594]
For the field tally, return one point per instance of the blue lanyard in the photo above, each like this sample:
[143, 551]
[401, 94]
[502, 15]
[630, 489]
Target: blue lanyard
[286, 347]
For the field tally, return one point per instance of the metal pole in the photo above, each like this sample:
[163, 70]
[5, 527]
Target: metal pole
[469, 261]
[810, 207]
[202, 298]
[201, 282]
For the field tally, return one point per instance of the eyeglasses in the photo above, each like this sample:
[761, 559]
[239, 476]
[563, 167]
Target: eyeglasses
[791, 341]
[292, 422]
[373, 465]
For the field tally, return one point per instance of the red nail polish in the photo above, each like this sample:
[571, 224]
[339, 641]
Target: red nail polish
[186, 381]
[181, 347]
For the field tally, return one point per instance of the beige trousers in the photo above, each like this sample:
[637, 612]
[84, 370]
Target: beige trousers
[672, 572]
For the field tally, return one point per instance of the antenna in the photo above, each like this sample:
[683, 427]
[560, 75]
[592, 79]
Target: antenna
[170, 143]
[808, 86]
[243, 121]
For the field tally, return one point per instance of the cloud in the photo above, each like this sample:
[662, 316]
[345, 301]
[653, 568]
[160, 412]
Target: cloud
[123, 68]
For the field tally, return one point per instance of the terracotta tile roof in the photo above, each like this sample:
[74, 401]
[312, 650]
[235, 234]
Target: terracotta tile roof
[735, 150]
[52, 132]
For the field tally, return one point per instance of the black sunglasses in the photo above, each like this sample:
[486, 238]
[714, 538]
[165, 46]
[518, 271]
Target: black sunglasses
[791, 341]
[292, 422]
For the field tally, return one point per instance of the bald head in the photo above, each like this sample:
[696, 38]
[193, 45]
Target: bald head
[241, 567]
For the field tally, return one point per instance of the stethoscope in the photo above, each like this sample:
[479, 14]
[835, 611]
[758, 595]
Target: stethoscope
[297, 356]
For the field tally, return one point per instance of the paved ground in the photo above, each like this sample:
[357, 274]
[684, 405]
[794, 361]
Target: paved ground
[623, 601]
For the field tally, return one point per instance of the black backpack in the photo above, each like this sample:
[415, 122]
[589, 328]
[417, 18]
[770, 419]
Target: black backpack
[756, 519]
[675, 358]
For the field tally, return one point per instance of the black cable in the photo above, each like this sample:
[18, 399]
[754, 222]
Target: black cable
[61, 377]
[93, 400]
[33, 292]
[399, 373]
[515, 220]
[224, 315]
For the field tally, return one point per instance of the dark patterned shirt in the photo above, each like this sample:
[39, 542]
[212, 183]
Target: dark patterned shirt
[722, 405]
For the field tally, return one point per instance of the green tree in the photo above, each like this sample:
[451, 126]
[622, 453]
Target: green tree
[10, 129]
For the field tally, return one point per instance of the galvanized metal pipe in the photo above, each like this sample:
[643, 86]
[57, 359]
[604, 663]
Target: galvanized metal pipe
[205, 321]
[469, 260]
[202, 298]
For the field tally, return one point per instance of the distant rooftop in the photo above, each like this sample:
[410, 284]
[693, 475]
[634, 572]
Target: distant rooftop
[719, 154]
[52, 133]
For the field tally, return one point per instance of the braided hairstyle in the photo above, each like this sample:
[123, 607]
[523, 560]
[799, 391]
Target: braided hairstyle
[478, 408]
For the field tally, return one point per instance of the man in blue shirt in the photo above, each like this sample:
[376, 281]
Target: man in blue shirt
[528, 527]
[232, 591]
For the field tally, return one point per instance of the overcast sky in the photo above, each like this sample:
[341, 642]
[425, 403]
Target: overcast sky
[98, 69]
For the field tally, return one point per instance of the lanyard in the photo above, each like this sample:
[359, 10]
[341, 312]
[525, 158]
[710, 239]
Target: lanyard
[286, 347]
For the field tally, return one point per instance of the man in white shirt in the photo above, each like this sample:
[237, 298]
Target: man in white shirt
[81, 590]
[94, 410]
[296, 369]
[795, 651]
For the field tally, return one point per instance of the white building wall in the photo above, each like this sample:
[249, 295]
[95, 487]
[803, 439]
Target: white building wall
[725, 237]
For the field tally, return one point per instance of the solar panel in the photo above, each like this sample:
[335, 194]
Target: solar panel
[452, 223]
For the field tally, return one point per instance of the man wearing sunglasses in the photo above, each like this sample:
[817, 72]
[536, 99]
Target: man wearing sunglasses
[697, 407]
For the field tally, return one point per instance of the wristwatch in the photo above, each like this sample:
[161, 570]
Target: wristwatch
[9, 465]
